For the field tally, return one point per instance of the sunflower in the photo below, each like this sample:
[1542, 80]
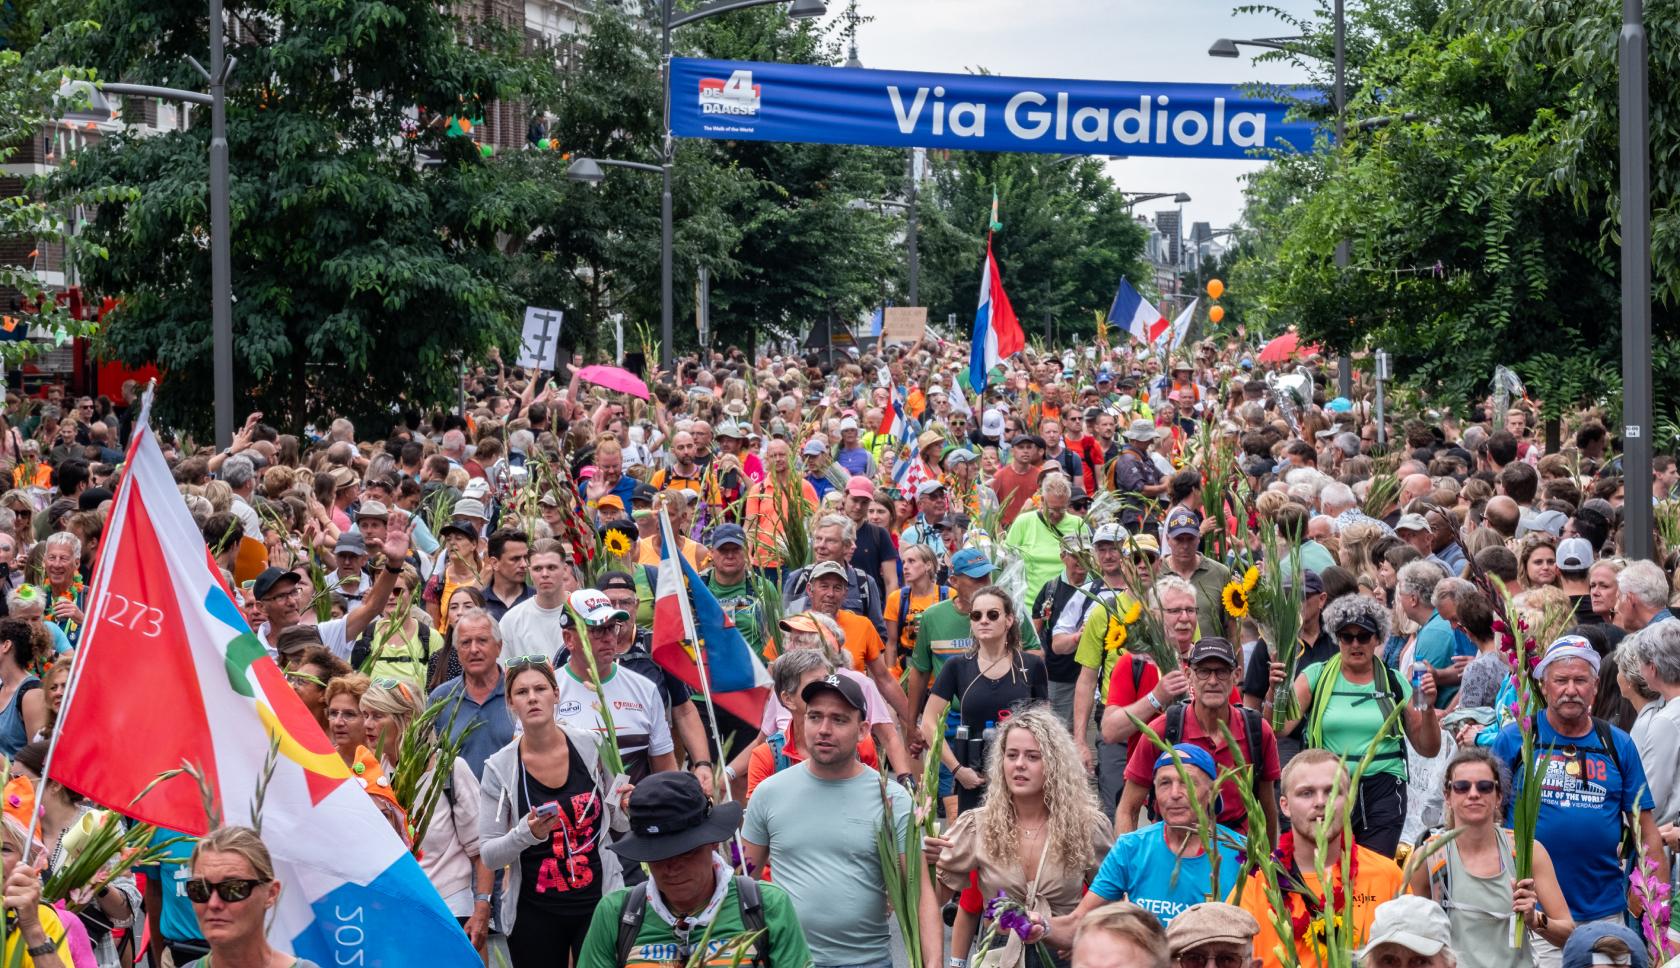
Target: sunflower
[616, 543]
[1133, 613]
[1236, 600]
[1116, 636]
[1249, 579]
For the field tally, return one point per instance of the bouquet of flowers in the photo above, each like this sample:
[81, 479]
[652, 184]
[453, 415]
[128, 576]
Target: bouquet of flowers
[1005, 916]
[1275, 599]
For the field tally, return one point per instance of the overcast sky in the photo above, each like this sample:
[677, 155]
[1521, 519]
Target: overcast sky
[1112, 40]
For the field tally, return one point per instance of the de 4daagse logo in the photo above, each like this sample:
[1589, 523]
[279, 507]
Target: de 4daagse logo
[738, 95]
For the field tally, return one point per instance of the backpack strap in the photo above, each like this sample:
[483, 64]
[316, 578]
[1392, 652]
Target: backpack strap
[1607, 740]
[903, 608]
[1253, 735]
[778, 747]
[1137, 671]
[752, 918]
[630, 921]
[1175, 724]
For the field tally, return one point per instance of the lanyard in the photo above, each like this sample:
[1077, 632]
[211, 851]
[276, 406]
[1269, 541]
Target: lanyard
[577, 816]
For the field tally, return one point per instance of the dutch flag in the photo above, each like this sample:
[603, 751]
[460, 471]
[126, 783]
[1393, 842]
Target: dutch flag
[997, 334]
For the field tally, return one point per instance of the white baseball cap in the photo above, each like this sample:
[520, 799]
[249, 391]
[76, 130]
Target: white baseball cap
[1412, 922]
[595, 608]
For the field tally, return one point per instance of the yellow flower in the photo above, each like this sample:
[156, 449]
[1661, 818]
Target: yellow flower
[616, 543]
[1236, 600]
[1133, 613]
[1250, 578]
[1116, 636]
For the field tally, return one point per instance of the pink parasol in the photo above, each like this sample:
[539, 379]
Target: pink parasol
[1278, 350]
[614, 378]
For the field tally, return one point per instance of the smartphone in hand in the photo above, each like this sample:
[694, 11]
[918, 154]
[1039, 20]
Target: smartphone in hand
[549, 809]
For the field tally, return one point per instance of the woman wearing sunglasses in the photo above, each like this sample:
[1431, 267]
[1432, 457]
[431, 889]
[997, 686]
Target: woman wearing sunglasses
[545, 806]
[1346, 699]
[232, 889]
[982, 684]
[1472, 875]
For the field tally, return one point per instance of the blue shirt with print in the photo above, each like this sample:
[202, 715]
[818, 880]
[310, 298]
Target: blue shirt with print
[176, 920]
[1582, 800]
[1140, 869]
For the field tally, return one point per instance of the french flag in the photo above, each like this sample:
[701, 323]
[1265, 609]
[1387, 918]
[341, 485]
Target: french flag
[688, 619]
[997, 334]
[1133, 313]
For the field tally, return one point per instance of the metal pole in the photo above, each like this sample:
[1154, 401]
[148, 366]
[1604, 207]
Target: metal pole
[221, 256]
[1381, 372]
[665, 332]
[1344, 365]
[1636, 280]
[910, 229]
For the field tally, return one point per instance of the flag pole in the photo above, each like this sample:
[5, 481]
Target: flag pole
[95, 609]
[669, 547]
[668, 540]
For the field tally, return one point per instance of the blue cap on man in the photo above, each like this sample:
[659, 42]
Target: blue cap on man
[971, 562]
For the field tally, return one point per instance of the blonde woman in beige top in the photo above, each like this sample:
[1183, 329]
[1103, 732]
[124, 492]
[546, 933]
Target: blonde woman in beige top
[1039, 836]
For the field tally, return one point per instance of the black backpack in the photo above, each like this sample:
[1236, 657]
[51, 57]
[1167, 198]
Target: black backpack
[1174, 731]
[752, 920]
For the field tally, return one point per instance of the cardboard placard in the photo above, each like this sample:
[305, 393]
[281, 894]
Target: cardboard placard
[539, 347]
[904, 324]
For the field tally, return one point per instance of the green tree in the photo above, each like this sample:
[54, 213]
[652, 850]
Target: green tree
[363, 269]
[1460, 260]
[595, 251]
[29, 99]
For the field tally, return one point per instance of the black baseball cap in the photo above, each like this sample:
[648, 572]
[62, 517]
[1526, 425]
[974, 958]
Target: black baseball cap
[848, 690]
[670, 815]
[1213, 647]
[90, 499]
[268, 579]
[1033, 439]
[644, 492]
[614, 579]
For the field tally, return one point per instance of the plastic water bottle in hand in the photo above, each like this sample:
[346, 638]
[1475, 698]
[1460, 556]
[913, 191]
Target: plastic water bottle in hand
[1418, 669]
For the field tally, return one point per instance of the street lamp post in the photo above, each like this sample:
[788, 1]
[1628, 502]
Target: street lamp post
[801, 10]
[1636, 278]
[1132, 198]
[221, 242]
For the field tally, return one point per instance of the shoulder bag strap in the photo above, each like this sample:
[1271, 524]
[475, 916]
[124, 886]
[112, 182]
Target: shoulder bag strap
[752, 918]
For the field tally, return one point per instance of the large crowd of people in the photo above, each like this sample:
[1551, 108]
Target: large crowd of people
[1044, 583]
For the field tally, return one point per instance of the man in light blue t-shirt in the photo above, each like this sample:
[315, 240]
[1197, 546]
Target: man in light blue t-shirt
[1142, 864]
[815, 824]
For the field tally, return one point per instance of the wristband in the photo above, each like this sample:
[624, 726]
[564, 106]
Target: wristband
[44, 948]
[481, 897]
[697, 764]
[958, 962]
[1153, 701]
[729, 771]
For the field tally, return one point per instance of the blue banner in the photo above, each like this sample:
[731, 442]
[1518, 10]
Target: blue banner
[751, 101]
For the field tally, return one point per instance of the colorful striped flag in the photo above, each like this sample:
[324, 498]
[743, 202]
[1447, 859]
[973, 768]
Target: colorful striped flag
[168, 671]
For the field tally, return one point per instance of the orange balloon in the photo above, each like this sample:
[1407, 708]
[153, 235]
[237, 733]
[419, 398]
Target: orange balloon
[1216, 313]
[1215, 288]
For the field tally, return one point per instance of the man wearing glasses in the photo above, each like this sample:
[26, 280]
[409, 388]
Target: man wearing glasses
[281, 596]
[1213, 672]
[1213, 935]
[638, 714]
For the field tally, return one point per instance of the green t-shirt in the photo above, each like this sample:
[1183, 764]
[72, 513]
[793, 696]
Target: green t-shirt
[1352, 718]
[1041, 546]
[657, 945]
[943, 632]
[741, 604]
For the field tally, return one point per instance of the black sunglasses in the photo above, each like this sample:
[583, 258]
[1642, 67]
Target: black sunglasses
[990, 615]
[1484, 787]
[1362, 636]
[232, 890]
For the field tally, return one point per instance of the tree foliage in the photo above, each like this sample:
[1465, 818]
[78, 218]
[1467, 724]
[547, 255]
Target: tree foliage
[361, 273]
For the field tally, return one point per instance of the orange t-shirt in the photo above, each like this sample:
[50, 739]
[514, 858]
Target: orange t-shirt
[765, 507]
[762, 766]
[861, 638]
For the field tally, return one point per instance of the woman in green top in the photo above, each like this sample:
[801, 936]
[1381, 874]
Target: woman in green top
[1345, 702]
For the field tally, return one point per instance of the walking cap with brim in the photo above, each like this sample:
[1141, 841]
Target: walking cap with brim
[1209, 922]
[1141, 429]
[266, 581]
[373, 509]
[670, 815]
[1412, 922]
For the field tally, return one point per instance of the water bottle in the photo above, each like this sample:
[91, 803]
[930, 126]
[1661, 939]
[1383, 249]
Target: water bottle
[1418, 669]
[959, 745]
[986, 734]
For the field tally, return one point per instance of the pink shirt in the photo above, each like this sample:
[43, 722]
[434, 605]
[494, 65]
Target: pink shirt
[776, 715]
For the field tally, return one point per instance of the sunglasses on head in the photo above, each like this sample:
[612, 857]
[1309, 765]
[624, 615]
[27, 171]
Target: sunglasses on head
[1484, 787]
[529, 660]
[232, 890]
[990, 615]
[397, 684]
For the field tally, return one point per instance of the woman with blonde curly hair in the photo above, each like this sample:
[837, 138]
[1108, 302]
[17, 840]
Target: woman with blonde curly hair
[1039, 836]
[1357, 540]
